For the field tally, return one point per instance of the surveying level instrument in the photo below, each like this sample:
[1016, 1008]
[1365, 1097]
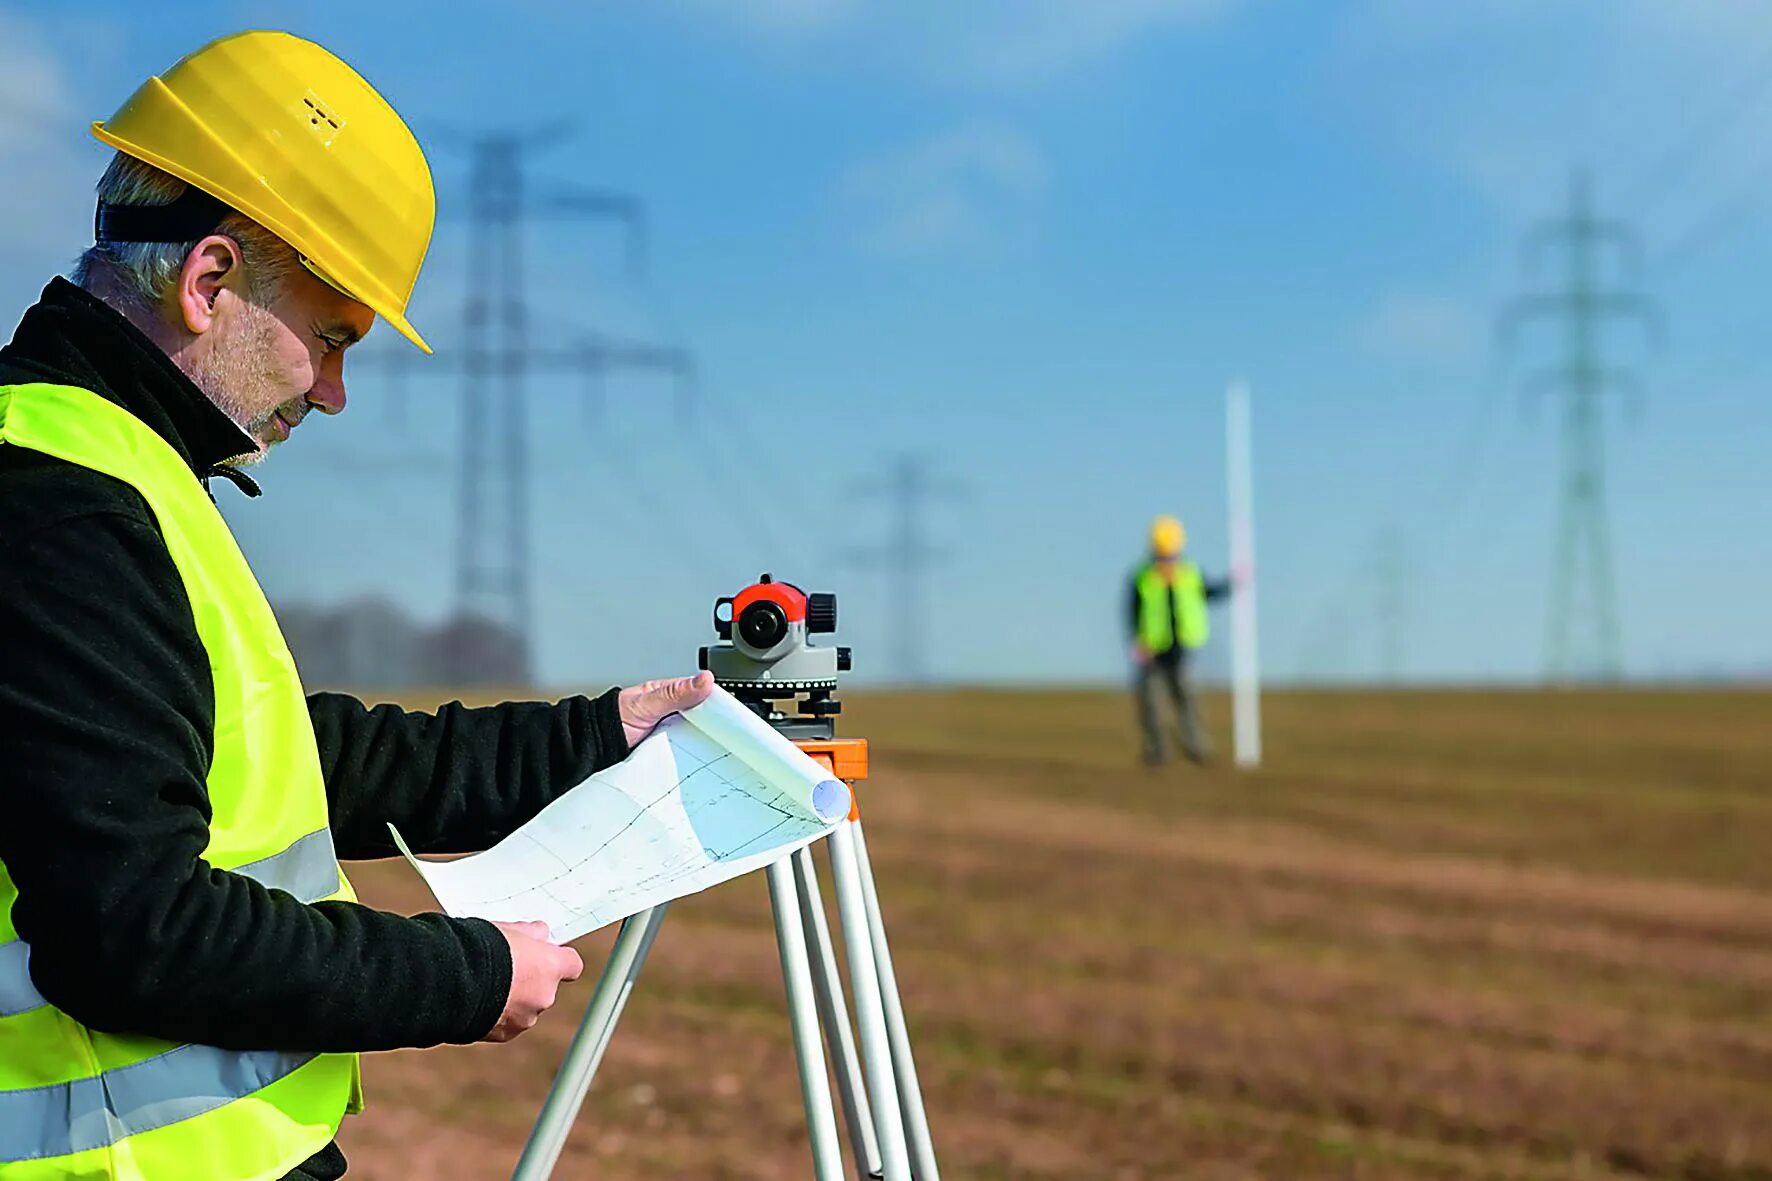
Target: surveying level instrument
[767, 660]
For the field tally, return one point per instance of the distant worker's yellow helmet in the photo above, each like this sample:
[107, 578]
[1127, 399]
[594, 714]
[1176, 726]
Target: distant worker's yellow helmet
[295, 139]
[1168, 538]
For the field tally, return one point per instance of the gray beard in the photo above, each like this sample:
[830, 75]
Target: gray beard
[236, 375]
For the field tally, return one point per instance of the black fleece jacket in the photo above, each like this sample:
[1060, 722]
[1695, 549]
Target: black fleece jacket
[106, 722]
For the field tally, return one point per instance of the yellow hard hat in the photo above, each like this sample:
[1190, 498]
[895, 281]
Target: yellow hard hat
[1168, 538]
[295, 139]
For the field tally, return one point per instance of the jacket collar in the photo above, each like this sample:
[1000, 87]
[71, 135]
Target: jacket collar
[70, 337]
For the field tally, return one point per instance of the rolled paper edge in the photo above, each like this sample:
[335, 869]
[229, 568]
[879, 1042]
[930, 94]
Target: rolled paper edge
[830, 799]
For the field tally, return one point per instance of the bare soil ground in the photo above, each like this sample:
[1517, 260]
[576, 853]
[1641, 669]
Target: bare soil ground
[1439, 935]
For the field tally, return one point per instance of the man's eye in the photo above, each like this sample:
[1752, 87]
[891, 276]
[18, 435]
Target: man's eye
[332, 343]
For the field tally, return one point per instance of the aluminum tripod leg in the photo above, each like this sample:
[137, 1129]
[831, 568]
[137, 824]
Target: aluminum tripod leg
[904, 1067]
[573, 1082]
[884, 1149]
[864, 979]
[834, 1016]
[796, 978]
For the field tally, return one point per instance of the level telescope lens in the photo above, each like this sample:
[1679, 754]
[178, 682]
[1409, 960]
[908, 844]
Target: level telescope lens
[762, 626]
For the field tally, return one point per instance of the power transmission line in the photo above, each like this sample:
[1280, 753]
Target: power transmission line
[495, 460]
[1583, 587]
[910, 486]
[1676, 162]
[755, 519]
[1708, 230]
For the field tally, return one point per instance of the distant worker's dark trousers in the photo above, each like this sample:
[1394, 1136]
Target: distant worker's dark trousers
[1172, 668]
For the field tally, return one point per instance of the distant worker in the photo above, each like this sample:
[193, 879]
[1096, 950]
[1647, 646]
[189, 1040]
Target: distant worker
[1166, 616]
[186, 978]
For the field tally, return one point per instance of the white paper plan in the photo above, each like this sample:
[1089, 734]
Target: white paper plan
[712, 793]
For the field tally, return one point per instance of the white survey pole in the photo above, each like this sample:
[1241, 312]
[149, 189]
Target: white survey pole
[1240, 495]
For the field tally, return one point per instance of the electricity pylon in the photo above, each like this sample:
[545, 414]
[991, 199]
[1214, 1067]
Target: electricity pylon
[1583, 587]
[492, 554]
[910, 485]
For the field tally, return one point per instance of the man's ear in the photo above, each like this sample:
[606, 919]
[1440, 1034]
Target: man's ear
[213, 266]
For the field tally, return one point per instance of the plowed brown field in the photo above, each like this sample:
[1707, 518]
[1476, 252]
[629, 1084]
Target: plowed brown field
[1439, 935]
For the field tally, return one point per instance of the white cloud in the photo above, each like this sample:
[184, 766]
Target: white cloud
[1420, 326]
[992, 43]
[971, 188]
[1037, 39]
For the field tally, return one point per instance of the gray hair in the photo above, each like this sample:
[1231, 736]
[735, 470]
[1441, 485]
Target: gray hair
[137, 275]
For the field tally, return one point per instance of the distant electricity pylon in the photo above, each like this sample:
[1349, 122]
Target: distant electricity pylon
[1583, 589]
[492, 555]
[910, 486]
[1390, 578]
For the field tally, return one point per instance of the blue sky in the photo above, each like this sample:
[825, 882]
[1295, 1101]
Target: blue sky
[1031, 242]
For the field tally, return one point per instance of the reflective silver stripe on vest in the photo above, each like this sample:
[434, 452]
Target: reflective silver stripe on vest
[180, 1084]
[308, 868]
[17, 993]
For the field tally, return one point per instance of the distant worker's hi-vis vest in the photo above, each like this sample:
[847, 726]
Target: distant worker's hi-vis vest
[77, 1103]
[1161, 626]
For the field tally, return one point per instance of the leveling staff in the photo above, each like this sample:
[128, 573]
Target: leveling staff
[185, 979]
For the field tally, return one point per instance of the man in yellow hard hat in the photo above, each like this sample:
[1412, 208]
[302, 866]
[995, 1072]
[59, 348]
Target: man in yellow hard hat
[1166, 616]
[185, 976]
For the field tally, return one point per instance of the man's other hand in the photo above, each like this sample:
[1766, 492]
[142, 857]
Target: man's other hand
[645, 706]
[537, 968]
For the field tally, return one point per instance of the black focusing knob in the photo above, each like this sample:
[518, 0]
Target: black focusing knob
[821, 613]
[702, 658]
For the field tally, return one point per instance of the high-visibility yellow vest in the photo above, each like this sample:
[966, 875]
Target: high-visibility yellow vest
[1160, 626]
[78, 1103]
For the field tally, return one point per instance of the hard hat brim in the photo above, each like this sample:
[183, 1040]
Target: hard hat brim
[397, 319]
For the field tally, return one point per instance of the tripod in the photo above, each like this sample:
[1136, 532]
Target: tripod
[882, 1102]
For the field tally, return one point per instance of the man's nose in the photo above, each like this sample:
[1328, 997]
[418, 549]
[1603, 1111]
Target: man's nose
[328, 395]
